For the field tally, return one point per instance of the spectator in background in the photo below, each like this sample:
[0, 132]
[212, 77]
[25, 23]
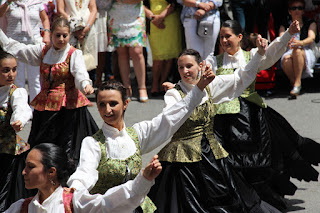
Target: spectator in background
[127, 33]
[165, 39]
[194, 11]
[24, 20]
[82, 14]
[299, 60]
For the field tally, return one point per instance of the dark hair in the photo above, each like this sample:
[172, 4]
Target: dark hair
[193, 53]
[113, 85]
[234, 26]
[290, 2]
[60, 22]
[55, 156]
[5, 55]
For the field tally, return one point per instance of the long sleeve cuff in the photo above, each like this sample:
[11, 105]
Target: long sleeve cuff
[141, 185]
[285, 38]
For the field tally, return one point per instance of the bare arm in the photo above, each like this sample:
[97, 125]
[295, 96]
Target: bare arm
[4, 8]
[60, 9]
[46, 25]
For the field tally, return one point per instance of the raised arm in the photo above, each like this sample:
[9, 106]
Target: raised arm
[156, 132]
[29, 54]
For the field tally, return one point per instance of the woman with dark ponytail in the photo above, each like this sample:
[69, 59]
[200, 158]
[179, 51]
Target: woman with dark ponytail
[48, 168]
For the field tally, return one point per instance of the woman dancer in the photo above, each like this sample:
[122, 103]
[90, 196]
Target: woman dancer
[60, 113]
[48, 168]
[14, 114]
[261, 143]
[112, 156]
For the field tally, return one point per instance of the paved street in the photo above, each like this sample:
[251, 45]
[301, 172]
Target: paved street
[303, 114]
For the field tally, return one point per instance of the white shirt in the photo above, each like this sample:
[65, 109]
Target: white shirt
[227, 87]
[18, 102]
[123, 198]
[31, 54]
[273, 53]
[14, 17]
[151, 134]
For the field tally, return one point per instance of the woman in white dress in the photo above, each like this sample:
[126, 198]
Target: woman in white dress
[82, 14]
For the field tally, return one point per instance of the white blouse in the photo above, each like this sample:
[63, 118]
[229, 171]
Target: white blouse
[123, 198]
[273, 53]
[119, 145]
[18, 102]
[227, 87]
[31, 54]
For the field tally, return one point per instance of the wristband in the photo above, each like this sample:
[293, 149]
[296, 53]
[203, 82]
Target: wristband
[89, 25]
[46, 30]
[197, 3]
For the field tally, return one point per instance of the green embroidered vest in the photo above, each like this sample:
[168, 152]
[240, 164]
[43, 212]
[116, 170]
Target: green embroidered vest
[185, 145]
[10, 142]
[114, 172]
[233, 106]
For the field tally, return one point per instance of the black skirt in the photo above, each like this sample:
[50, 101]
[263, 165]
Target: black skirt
[11, 180]
[267, 150]
[209, 185]
[65, 128]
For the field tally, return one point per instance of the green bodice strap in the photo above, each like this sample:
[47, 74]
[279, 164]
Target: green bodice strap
[113, 172]
[249, 93]
[185, 145]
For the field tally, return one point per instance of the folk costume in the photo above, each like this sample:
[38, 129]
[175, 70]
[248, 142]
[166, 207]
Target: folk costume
[123, 198]
[197, 175]
[261, 143]
[112, 157]
[60, 113]
[13, 106]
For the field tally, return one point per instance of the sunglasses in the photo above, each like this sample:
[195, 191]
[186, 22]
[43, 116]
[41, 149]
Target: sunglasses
[296, 8]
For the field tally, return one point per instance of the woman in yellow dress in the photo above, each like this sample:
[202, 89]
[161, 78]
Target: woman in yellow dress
[164, 38]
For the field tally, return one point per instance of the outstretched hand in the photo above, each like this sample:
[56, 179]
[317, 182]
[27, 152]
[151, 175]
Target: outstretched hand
[167, 85]
[153, 169]
[294, 27]
[17, 125]
[206, 76]
[262, 45]
[88, 90]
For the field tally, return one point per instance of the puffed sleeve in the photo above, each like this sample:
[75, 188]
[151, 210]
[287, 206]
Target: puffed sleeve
[227, 87]
[274, 51]
[160, 129]
[20, 106]
[123, 198]
[29, 54]
[79, 71]
[86, 174]
[15, 207]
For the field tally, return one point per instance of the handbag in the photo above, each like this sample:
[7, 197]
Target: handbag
[205, 28]
[88, 58]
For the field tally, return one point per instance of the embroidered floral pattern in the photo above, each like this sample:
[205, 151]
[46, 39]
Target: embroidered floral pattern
[58, 88]
[185, 145]
[113, 172]
[10, 142]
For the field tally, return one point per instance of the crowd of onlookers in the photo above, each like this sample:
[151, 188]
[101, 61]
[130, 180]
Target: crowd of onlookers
[113, 33]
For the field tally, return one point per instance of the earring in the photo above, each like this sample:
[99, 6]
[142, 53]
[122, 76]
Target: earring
[52, 182]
